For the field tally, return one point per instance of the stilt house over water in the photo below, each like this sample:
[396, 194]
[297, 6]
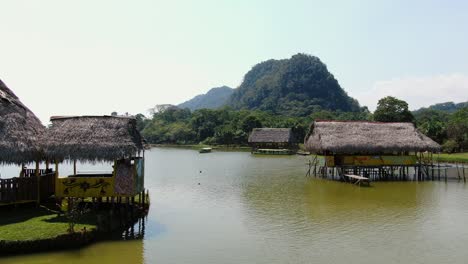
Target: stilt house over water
[20, 135]
[93, 139]
[272, 140]
[380, 151]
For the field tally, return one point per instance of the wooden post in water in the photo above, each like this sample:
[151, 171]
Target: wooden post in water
[463, 170]
[438, 165]
[458, 172]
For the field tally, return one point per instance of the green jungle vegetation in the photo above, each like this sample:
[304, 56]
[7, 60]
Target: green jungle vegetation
[226, 126]
[297, 86]
[447, 106]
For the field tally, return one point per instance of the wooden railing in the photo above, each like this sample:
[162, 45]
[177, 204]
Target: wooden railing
[25, 188]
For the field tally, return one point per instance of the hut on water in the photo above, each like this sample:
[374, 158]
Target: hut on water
[20, 135]
[97, 138]
[370, 149]
[272, 141]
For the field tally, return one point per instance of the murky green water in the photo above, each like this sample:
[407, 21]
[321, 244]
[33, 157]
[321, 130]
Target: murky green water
[229, 207]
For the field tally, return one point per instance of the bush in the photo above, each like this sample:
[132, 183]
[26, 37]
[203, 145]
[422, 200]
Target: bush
[450, 146]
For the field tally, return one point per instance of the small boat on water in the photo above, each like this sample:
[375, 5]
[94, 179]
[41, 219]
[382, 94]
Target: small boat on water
[205, 150]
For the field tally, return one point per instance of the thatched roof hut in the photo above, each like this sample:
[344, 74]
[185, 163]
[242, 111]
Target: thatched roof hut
[92, 138]
[271, 135]
[362, 137]
[20, 130]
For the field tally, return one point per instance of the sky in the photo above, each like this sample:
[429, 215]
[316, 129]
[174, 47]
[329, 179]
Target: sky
[95, 57]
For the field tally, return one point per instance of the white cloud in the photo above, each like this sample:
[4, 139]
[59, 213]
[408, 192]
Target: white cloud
[418, 91]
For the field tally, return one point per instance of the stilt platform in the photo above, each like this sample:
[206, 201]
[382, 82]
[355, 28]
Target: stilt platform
[357, 179]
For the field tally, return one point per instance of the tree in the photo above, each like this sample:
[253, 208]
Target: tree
[457, 128]
[141, 121]
[433, 123]
[114, 113]
[250, 122]
[391, 109]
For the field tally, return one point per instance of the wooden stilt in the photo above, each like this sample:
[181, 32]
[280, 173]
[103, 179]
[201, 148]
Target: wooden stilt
[38, 180]
[74, 167]
[22, 171]
[463, 170]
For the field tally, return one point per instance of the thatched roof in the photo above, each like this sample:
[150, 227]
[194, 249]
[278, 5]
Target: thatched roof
[271, 135]
[92, 138]
[360, 137]
[20, 129]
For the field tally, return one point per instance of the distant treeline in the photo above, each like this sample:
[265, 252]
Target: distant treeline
[226, 126]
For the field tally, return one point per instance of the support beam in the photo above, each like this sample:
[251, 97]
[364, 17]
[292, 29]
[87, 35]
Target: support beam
[22, 171]
[74, 167]
[38, 179]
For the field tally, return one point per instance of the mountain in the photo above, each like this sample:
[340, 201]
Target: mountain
[447, 107]
[297, 86]
[214, 98]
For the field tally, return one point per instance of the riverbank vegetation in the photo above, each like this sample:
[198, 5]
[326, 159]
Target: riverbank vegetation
[226, 126]
[453, 158]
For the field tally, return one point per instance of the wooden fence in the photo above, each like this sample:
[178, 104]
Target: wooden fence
[25, 188]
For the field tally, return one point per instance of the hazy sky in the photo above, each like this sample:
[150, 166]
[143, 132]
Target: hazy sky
[94, 57]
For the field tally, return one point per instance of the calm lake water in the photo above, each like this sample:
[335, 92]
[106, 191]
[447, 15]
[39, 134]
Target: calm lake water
[232, 207]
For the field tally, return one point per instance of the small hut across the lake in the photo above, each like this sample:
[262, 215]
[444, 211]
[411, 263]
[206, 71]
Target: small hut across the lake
[272, 141]
[20, 135]
[380, 151]
[93, 139]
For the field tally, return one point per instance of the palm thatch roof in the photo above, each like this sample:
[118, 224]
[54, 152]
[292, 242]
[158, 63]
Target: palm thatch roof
[360, 137]
[271, 135]
[20, 130]
[92, 138]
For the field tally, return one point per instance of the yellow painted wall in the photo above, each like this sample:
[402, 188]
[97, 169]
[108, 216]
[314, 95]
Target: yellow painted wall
[85, 187]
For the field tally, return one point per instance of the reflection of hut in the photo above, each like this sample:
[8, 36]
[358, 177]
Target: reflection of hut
[20, 132]
[97, 138]
[272, 140]
[370, 149]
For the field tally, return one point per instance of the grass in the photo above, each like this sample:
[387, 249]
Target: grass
[35, 223]
[455, 157]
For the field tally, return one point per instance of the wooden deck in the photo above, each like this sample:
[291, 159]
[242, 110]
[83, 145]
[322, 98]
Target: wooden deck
[357, 179]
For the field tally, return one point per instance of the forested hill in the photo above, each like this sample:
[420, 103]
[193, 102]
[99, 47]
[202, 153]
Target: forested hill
[214, 98]
[295, 87]
[447, 107]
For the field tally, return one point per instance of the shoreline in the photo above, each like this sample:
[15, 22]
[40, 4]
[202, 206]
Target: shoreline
[453, 158]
